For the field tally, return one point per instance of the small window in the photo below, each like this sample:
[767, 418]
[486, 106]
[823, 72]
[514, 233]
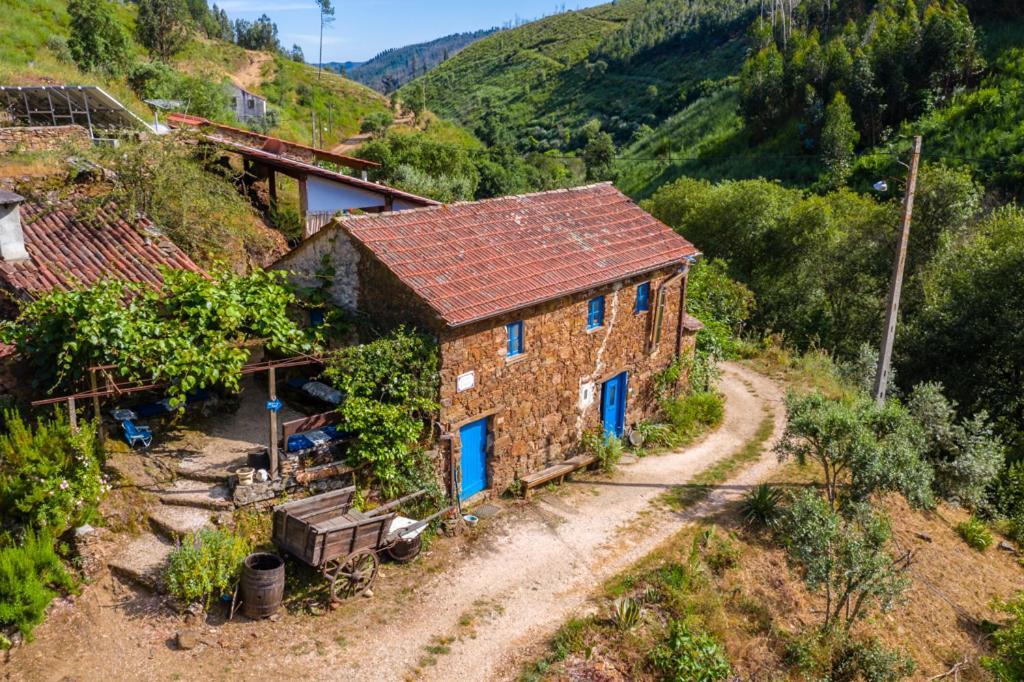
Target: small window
[234, 102]
[595, 313]
[643, 297]
[252, 104]
[515, 339]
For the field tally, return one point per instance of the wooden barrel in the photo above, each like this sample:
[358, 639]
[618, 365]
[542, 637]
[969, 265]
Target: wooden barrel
[262, 585]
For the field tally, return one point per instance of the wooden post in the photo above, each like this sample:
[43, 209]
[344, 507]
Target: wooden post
[272, 187]
[273, 424]
[303, 198]
[93, 384]
[893, 304]
[72, 415]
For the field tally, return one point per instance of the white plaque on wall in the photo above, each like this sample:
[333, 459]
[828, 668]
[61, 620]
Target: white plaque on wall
[466, 381]
[587, 394]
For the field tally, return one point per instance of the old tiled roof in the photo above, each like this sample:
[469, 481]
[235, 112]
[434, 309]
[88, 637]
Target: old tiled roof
[66, 250]
[471, 261]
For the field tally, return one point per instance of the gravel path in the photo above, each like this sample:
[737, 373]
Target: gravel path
[544, 565]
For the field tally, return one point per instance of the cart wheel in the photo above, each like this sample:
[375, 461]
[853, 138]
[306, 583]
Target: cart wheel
[405, 551]
[354, 575]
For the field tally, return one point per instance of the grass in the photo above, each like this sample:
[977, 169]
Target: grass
[687, 495]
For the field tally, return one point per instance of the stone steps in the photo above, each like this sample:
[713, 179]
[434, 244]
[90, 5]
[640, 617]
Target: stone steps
[189, 493]
[142, 561]
[176, 522]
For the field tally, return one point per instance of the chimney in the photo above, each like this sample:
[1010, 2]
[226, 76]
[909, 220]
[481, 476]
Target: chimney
[12, 238]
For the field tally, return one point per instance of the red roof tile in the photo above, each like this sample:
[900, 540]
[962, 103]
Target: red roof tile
[471, 261]
[67, 251]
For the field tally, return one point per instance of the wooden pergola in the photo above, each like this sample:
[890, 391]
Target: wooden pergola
[114, 388]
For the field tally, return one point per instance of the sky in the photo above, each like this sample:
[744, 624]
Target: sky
[363, 28]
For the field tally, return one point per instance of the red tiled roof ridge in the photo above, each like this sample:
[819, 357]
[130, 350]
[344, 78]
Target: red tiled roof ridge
[455, 204]
[473, 260]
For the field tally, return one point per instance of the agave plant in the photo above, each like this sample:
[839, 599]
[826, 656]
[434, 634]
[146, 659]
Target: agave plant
[762, 506]
[627, 613]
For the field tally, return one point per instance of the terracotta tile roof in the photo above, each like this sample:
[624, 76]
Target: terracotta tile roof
[471, 261]
[66, 250]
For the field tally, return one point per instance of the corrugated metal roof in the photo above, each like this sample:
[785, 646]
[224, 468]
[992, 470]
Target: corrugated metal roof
[66, 250]
[471, 261]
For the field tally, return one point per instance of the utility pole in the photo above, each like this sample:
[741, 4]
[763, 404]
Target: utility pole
[893, 304]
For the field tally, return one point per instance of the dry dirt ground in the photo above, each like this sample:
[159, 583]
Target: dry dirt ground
[469, 608]
[250, 76]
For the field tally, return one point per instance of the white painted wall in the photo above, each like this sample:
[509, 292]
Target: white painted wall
[327, 196]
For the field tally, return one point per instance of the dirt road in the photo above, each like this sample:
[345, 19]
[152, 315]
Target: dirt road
[529, 570]
[250, 76]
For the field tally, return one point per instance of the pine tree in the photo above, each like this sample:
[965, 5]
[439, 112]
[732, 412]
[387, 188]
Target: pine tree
[839, 137]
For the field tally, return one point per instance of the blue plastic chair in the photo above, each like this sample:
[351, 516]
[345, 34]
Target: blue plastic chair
[136, 434]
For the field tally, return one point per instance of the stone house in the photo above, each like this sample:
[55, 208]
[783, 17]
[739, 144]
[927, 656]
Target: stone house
[553, 313]
[246, 105]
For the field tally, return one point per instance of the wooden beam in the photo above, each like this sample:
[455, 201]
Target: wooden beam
[272, 377]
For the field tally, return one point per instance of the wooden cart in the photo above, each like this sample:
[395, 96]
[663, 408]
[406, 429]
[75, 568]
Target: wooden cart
[324, 532]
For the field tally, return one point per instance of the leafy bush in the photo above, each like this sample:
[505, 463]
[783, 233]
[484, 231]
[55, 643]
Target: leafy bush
[966, 455]
[653, 434]
[762, 506]
[838, 657]
[693, 413]
[205, 94]
[626, 614]
[186, 334]
[1007, 662]
[691, 656]
[862, 449]
[206, 565]
[975, 533]
[844, 556]
[1009, 498]
[607, 449]
[98, 40]
[389, 390]
[30, 574]
[49, 476]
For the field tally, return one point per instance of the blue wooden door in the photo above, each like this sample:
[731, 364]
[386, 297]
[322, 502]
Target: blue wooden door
[473, 438]
[613, 406]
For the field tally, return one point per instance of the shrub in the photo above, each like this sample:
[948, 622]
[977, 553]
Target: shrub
[691, 656]
[205, 565]
[653, 434]
[1007, 662]
[607, 449]
[49, 476]
[29, 575]
[1009, 498]
[838, 657]
[762, 506]
[389, 390]
[626, 615]
[693, 413]
[975, 533]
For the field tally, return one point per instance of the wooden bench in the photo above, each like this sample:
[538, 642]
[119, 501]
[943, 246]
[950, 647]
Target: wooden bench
[556, 472]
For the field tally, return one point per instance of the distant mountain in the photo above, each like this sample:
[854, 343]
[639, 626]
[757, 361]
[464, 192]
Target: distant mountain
[395, 67]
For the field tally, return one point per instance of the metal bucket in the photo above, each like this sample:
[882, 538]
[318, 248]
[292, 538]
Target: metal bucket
[262, 585]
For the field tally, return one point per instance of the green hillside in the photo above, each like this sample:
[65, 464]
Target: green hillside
[393, 68]
[628, 63]
[34, 41]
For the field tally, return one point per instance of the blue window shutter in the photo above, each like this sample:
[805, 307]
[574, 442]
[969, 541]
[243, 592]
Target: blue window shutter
[515, 338]
[643, 297]
[595, 313]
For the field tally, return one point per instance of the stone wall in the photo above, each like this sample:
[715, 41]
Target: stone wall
[333, 250]
[534, 400]
[43, 138]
